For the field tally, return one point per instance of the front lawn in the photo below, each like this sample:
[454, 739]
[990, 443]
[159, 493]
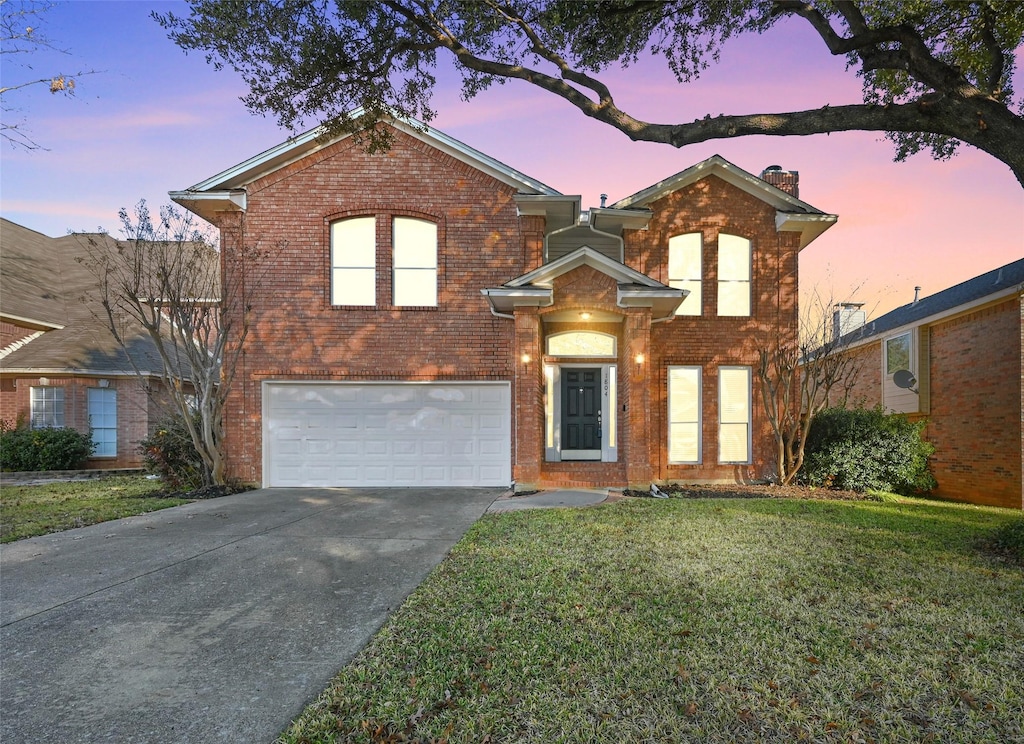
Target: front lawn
[700, 620]
[27, 511]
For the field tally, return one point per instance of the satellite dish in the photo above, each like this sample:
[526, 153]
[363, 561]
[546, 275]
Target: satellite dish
[904, 378]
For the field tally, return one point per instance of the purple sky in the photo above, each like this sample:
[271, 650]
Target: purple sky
[152, 120]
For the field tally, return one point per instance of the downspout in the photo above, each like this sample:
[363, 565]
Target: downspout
[496, 314]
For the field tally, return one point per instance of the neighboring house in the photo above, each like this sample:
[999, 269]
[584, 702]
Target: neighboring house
[59, 364]
[955, 357]
[434, 317]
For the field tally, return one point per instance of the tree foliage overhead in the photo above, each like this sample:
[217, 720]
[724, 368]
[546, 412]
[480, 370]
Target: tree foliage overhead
[934, 73]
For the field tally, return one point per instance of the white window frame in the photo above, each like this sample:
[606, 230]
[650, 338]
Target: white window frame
[729, 285]
[354, 274]
[581, 350]
[697, 421]
[103, 422]
[889, 370]
[681, 272]
[413, 263]
[726, 417]
[46, 407]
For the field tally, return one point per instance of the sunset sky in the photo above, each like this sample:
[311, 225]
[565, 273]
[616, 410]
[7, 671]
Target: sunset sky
[152, 120]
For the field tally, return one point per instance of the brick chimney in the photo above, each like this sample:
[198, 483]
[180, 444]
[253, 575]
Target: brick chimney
[788, 181]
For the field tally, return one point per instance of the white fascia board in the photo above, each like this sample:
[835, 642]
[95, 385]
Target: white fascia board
[69, 372]
[628, 219]
[276, 157]
[505, 300]
[559, 211]
[545, 275]
[663, 302]
[208, 203]
[473, 157]
[810, 226]
[929, 320]
[35, 325]
[310, 142]
[728, 172]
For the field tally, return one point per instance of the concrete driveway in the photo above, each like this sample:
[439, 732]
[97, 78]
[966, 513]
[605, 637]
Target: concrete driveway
[214, 621]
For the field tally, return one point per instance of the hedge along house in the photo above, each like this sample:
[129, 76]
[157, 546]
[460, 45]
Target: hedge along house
[59, 363]
[435, 317]
[955, 358]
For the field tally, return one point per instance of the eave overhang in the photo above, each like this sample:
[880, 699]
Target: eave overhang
[635, 290]
[208, 203]
[615, 221]
[31, 324]
[559, 211]
[218, 192]
[810, 226]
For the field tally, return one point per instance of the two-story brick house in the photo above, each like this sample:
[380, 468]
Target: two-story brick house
[434, 317]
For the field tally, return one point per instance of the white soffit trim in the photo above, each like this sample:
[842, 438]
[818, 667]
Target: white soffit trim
[546, 274]
[810, 226]
[559, 211]
[207, 203]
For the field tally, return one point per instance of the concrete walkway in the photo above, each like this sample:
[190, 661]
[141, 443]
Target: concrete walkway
[216, 621]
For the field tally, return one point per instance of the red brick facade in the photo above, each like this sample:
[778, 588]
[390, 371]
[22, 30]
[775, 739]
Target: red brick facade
[975, 394]
[134, 410]
[484, 242]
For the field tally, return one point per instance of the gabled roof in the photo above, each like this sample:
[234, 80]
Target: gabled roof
[536, 288]
[1005, 281]
[46, 290]
[225, 190]
[792, 214]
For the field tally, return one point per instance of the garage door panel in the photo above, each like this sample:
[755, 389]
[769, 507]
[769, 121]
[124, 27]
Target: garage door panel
[356, 434]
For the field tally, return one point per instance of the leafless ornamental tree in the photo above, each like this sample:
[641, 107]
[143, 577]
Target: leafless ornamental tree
[20, 38]
[166, 277]
[798, 378]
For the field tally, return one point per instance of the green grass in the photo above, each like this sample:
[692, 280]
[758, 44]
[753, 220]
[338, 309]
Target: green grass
[700, 620]
[27, 511]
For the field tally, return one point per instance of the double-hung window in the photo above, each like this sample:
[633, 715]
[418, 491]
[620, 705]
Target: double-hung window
[684, 270]
[734, 414]
[47, 407]
[684, 415]
[354, 262]
[734, 259]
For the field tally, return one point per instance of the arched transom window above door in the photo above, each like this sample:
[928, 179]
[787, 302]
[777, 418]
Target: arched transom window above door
[581, 344]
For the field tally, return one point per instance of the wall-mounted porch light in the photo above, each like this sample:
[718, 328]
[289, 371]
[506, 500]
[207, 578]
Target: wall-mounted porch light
[639, 358]
[525, 358]
[585, 315]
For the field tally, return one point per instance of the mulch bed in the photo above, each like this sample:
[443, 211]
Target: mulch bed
[749, 491]
[206, 492]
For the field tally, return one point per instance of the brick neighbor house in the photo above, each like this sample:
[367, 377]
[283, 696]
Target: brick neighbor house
[434, 317]
[59, 363]
[955, 357]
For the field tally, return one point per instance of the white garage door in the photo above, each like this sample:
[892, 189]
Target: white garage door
[387, 434]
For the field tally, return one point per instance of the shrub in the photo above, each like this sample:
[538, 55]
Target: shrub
[25, 449]
[860, 448]
[170, 453]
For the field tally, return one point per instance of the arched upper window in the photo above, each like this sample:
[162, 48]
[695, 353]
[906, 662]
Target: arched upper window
[685, 260]
[581, 344]
[734, 259]
[354, 261]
